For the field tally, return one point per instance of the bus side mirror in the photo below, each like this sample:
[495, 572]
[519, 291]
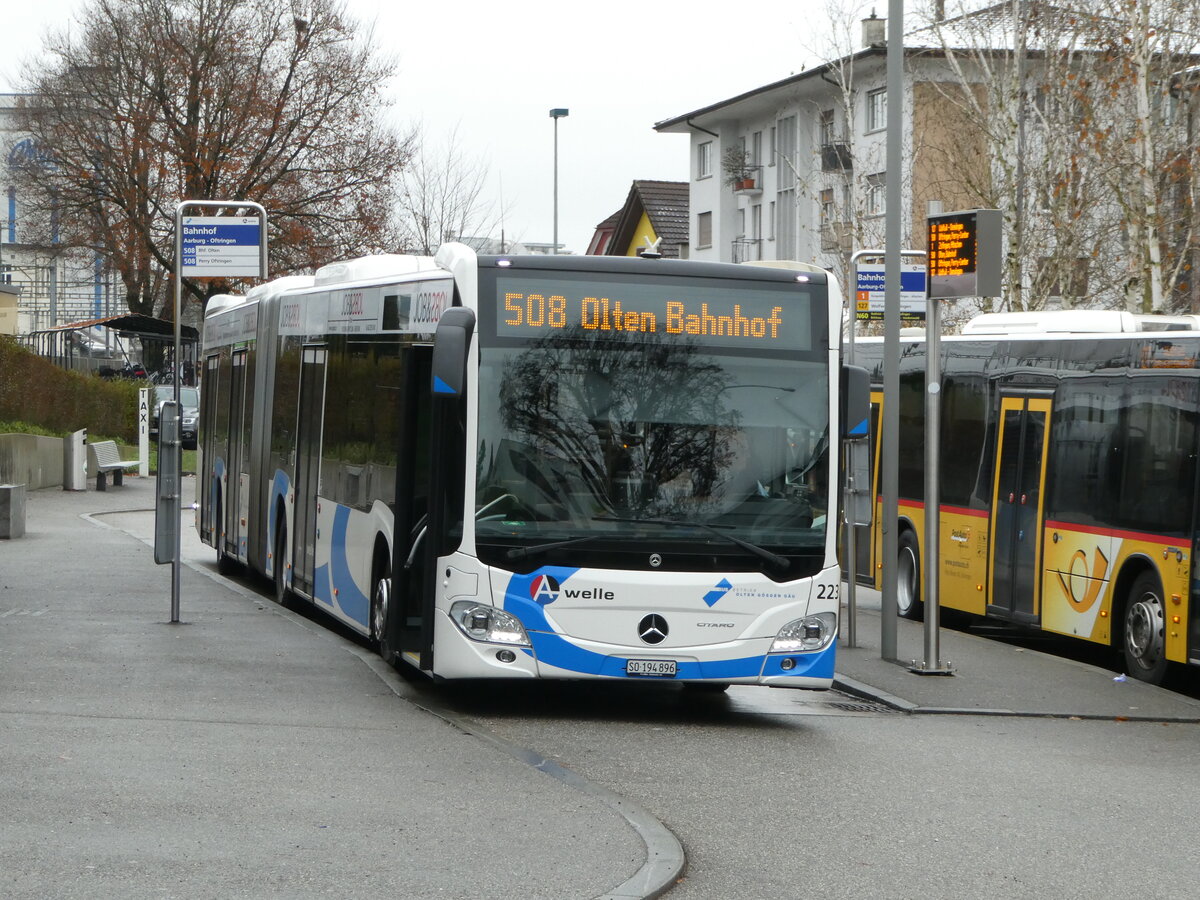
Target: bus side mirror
[855, 403]
[450, 346]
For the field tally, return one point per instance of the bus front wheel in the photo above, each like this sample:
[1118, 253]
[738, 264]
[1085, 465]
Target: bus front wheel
[278, 569]
[908, 577]
[381, 598]
[1144, 630]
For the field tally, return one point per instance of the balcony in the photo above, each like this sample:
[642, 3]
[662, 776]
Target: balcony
[748, 182]
[746, 250]
[835, 157]
[837, 237]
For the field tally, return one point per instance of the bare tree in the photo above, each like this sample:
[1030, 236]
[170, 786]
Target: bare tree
[144, 103]
[441, 198]
[1094, 178]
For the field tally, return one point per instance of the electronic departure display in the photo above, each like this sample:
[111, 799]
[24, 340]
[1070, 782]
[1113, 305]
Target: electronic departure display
[775, 316]
[952, 245]
[964, 254]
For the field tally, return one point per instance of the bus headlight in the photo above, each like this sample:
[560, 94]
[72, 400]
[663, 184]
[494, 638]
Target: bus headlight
[807, 634]
[481, 622]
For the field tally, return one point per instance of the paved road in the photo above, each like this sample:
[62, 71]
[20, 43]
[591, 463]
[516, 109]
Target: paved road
[250, 752]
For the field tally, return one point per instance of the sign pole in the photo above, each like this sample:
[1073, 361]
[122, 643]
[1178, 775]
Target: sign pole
[220, 246]
[888, 612]
[964, 261]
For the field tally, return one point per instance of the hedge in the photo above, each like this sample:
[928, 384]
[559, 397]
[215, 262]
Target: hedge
[34, 390]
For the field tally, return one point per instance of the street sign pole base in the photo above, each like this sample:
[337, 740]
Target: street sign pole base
[923, 668]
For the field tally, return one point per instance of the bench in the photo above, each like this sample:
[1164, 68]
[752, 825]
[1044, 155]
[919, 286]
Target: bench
[107, 460]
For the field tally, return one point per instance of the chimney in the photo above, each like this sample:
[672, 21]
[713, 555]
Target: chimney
[874, 31]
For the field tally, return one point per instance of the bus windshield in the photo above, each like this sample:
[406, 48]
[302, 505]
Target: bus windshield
[698, 426]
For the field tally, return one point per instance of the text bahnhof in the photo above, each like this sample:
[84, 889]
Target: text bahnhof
[603, 314]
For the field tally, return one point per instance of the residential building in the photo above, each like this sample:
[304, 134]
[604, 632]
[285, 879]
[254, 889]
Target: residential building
[653, 220]
[797, 169]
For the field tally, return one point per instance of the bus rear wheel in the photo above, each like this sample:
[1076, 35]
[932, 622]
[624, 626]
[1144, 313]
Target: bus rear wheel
[1143, 632]
[908, 578]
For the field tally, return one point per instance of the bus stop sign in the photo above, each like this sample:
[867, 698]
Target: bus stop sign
[221, 246]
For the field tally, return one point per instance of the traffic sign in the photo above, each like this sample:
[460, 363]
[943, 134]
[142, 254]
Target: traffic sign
[221, 246]
[869, 292]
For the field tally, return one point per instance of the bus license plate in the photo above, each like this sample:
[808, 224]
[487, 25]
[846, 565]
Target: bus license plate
[664, 668]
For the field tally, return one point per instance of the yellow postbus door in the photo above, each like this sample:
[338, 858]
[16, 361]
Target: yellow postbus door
[1017, 506]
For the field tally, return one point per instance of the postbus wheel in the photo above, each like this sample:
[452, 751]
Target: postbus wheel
[908, 577]
[278, 569]
[381, 597]
[1143, 632]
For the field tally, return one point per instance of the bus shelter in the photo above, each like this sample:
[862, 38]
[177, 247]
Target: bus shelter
[75, 346]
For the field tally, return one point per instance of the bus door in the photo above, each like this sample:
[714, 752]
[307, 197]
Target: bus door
[209, 448]
[864, 534]
[1017, 506]
[412, 585]
[233, 509]
[309, 424]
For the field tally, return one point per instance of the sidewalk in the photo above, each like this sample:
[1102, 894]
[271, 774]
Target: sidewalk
[991, 677]
[249, 751]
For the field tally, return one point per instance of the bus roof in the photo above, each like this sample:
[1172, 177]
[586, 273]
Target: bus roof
[1076, 321]
[1057, 321]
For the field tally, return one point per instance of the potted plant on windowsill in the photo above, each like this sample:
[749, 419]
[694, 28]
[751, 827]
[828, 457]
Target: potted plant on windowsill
[739, 171]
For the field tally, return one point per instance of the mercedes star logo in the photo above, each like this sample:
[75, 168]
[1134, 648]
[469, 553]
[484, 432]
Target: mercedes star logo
[653, 629]
[655, 560]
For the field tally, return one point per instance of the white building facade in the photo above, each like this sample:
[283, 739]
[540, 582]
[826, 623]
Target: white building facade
[55, 285]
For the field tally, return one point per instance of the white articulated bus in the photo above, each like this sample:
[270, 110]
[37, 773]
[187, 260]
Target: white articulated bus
[539, 466]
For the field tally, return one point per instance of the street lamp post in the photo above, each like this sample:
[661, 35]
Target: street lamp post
[556, 114]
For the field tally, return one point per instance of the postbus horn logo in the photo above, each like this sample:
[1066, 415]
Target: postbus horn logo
[1078, 575]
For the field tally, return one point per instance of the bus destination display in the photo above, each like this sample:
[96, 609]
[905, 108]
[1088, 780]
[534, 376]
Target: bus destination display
[742, 316]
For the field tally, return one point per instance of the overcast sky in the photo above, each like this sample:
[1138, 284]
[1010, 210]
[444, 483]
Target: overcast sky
[495, 70]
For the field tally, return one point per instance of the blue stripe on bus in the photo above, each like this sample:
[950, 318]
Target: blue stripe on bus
[440, 387]
[553, 649]
[335, 575]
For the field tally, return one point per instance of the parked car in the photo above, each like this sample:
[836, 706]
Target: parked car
[189, 398]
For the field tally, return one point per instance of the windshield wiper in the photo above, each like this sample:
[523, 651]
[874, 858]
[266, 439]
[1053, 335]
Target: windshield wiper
[522, 552]
[773, 558]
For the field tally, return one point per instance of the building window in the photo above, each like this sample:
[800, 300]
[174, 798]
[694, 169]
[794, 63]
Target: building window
[756, 221]
[876, 199]
[787, 153]
[771, 161]
[756, 148]
[785, 230]
[827, 212]
[826, 126]
[704, 230]
[704, 160]
[877, 109]
[771, 221]
[1066, 278]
